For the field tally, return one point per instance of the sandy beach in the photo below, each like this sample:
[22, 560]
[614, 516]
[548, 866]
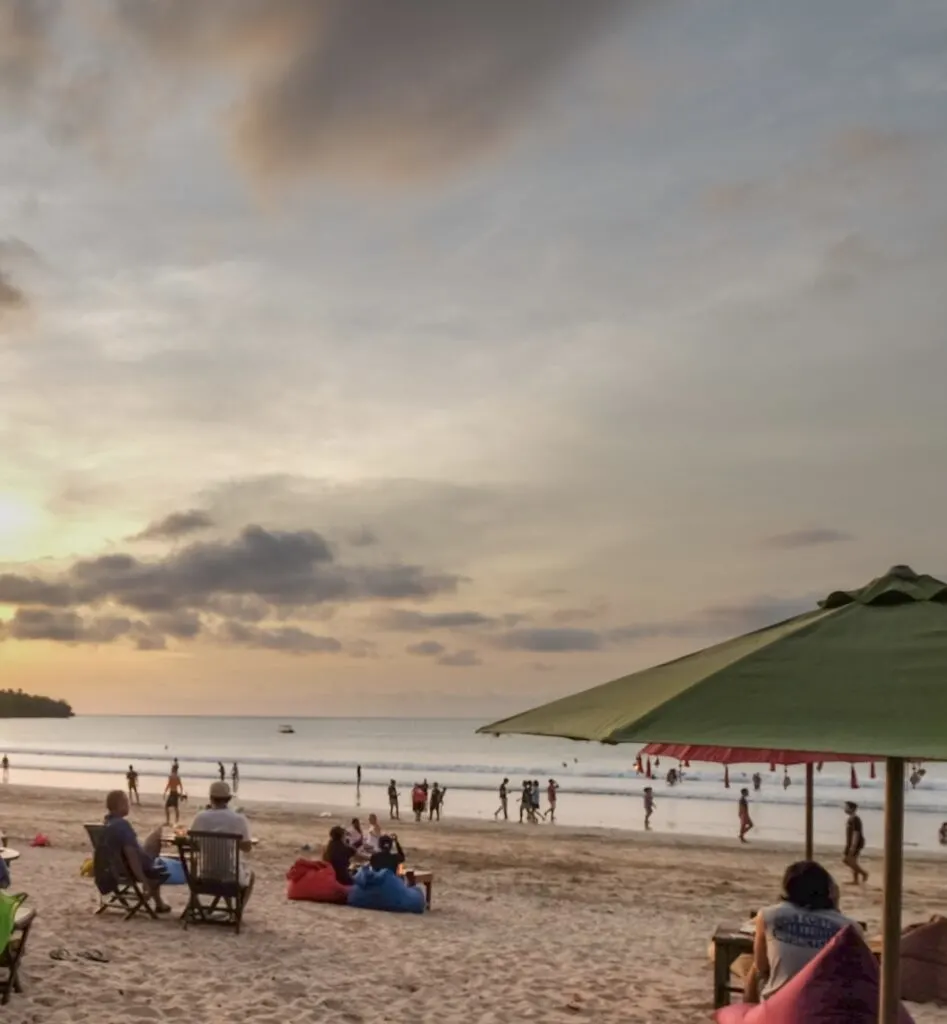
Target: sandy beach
[528, 924]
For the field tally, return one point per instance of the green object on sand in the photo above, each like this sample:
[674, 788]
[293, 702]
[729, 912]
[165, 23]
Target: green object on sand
[8, 907]
[864, 673]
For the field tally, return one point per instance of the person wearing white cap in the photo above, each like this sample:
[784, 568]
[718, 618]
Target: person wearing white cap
[220, 818]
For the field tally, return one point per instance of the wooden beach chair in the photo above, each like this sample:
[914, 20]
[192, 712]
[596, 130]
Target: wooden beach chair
[211, 862]
[11, 957]
[128, 896]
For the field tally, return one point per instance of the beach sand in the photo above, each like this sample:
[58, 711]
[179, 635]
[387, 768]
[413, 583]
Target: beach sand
[528, 924]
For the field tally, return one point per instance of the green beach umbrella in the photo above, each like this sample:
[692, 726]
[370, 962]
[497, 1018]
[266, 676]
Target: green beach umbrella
[864, 673]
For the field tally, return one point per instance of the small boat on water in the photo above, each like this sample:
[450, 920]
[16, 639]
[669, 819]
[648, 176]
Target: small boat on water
[287, 729]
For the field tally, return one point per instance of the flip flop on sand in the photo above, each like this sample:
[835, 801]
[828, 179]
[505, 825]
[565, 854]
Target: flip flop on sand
[95, 956]
[61, 954]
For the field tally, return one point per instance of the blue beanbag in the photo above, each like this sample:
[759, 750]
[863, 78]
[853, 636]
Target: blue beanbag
[174, 869]
[384, 890]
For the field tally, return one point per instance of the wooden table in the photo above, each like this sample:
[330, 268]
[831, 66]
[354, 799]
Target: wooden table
[425, 878]
[729, 943]
[9, 855]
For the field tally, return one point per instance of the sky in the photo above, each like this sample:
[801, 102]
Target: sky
[442, 358]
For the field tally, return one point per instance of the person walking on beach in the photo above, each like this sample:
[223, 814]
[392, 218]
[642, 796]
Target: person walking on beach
[537, 801]
[221, 771]
[173, 792]
[393, 811]
[746, 822]
[504, 801]
[234, 778]
[854, 843]
[131, 776]
[5, 763]
[526, 802]
[358, 776]
[757, 782]
[552, 791]
[648, 807]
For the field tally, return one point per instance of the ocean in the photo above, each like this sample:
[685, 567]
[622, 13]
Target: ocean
[317, 764]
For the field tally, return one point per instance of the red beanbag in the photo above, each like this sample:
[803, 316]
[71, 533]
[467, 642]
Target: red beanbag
[840, 986]
[315, 880]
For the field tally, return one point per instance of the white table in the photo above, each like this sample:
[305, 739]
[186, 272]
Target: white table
[9, 855]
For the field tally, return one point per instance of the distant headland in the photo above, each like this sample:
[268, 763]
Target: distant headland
[17, 704]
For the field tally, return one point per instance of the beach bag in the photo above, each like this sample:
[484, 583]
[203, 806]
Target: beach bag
[315, 881]
[384, 890]
[8, 908]
[839, 986]
[173, 869]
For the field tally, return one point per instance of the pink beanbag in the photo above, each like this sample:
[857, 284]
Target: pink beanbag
[840, 986]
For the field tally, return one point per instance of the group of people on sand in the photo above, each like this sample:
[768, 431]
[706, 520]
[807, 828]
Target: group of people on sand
[174, 793]
[119, 839]
[425, 799]
[530, 802]
[349, 849]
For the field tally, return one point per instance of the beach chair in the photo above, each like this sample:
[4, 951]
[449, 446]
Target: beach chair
[11, 956]
[211, 863]
[128, 896]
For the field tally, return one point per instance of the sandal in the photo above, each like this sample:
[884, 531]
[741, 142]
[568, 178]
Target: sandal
[95, 956]
[61, 954]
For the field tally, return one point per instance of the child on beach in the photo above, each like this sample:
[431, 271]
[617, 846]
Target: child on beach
[648, 807]
[854, 843]
[746, 822]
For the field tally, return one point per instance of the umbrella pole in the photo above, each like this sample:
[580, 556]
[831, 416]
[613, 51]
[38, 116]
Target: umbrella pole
[810, 800]
[890, 1001]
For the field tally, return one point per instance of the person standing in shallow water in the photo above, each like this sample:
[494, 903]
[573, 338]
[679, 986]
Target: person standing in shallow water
[746, 822]
[5, 763]
[648, 807]
[234, 778]
[131, 777]
[221, 771]
[393, 811]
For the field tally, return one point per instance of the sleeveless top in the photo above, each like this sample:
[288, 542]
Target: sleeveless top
[794, 937]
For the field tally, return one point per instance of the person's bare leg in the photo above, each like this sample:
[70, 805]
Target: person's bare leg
[152, 843]
[751, 986]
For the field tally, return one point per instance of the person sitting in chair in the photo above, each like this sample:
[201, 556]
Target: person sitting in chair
[220, 818]
[120, 841]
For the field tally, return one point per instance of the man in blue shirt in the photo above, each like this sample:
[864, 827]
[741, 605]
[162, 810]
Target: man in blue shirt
[119, 840]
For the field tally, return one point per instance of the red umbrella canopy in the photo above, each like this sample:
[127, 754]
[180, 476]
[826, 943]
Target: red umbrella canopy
[747, 755]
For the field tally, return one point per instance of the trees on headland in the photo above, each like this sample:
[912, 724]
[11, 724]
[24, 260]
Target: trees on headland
[17, 704]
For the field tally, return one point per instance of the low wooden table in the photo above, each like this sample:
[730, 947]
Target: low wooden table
[8, 855]
[729, 943]
[425, 878]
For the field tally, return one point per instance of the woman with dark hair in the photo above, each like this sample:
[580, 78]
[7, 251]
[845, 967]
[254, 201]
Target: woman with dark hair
[792, 932]
[339, 854]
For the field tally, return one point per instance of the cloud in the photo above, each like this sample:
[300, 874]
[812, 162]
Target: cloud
[290, 639]
[405, 621]
[281, 568]
[551, 640]
[175, 525]
[16, 589]
[65, 627]
[807, 538]
[363, 537]
[379, 90]
[12, 298]
[460, 659]
[734, 619]
[426, 649]
[229, 587]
